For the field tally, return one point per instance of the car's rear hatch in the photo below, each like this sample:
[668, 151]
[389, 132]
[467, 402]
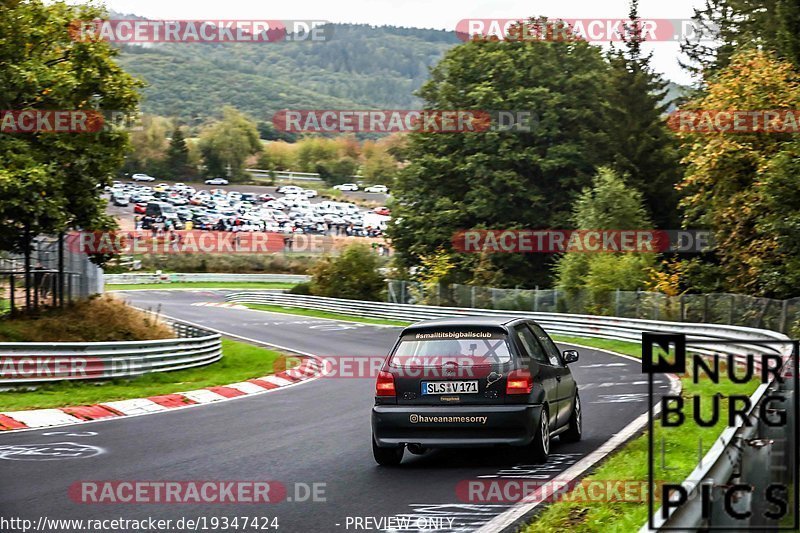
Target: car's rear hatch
[451, 367]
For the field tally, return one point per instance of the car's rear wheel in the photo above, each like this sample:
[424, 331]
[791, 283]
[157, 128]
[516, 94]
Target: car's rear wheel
[540, 447]
[575, 429]
[387, 456]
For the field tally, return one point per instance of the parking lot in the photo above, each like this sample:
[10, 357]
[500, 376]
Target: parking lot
[249, 208]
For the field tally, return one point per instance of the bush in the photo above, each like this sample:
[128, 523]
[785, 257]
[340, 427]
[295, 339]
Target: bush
[353, 275]
[231, 263]
[99, 319]
[301, 288]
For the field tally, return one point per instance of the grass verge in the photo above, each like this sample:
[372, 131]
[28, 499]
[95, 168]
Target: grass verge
[241, 361]
[201, 285]
[323, 314]
[630, 462]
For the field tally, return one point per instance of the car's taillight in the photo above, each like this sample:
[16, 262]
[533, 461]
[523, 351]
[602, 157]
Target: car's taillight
[519, 382]
[385, 384]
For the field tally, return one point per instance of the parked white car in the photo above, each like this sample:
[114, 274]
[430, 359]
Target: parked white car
[142, 177]
[216, 181]
[346, 187]
[289, 189]
[309, 193]
[377, 188]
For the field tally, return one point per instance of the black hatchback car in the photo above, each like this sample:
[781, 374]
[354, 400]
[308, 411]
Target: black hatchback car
[472, 382]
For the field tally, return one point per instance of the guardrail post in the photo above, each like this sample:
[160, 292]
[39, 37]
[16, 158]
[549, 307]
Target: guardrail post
[719, 516]
[536, 299]
[756, 465]
[784, 325]
[638, 304]
[781, 447]
[13, 290]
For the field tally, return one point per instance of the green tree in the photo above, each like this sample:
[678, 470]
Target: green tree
[379, 166]
[177, 164]
[51, 182]
[772, 25]
[735, 184]
[227, 144]
[268, 132]
[779, 268]
[338, 171]
[148, 146]
[503, 179]
[643, 148]
[353, 275]
[610, 204]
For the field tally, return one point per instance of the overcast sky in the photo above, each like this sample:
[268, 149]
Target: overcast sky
[439, 14]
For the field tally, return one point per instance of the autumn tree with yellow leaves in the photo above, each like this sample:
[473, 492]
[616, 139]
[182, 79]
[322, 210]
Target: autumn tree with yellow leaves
[744, 186]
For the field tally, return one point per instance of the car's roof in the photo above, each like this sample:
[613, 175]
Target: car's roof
[467, 321]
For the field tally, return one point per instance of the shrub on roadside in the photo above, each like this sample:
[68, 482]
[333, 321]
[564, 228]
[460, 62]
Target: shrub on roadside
[352, 275]
[301, 288]
[231, 263]
[98, 319]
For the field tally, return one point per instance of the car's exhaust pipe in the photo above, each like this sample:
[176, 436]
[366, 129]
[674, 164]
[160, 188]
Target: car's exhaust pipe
[416, 449]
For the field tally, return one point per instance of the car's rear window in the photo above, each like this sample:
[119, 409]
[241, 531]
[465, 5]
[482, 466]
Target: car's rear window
[465, 348]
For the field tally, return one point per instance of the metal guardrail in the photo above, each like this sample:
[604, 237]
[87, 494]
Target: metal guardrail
[754, 455]
[758, 446]
[196, 277]
[627, 329]
[26, 363]
[283, 175]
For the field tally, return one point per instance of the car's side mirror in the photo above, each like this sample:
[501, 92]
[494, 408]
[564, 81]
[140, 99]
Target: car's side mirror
[571, 356]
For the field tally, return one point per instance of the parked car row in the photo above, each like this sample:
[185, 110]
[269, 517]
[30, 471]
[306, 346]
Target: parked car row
[290, 210]
[354, 187]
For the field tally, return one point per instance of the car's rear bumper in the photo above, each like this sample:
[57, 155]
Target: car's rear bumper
[450, 427]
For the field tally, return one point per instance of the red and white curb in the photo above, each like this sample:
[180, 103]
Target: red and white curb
[310, 368]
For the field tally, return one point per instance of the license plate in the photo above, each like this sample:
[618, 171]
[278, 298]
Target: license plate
[449, 387]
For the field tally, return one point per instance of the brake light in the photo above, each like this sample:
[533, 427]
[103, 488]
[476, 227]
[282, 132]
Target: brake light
[385, 384]
[519, 382]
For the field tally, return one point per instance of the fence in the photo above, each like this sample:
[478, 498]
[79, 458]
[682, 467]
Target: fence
[150, 277]
[752, 454]
[40, 362]
[80, 278]
[731, 309]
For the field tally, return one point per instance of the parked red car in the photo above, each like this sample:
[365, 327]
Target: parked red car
[383, 211]
[140, 208]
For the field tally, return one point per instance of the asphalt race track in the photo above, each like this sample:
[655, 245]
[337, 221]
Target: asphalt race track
[317, 432]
